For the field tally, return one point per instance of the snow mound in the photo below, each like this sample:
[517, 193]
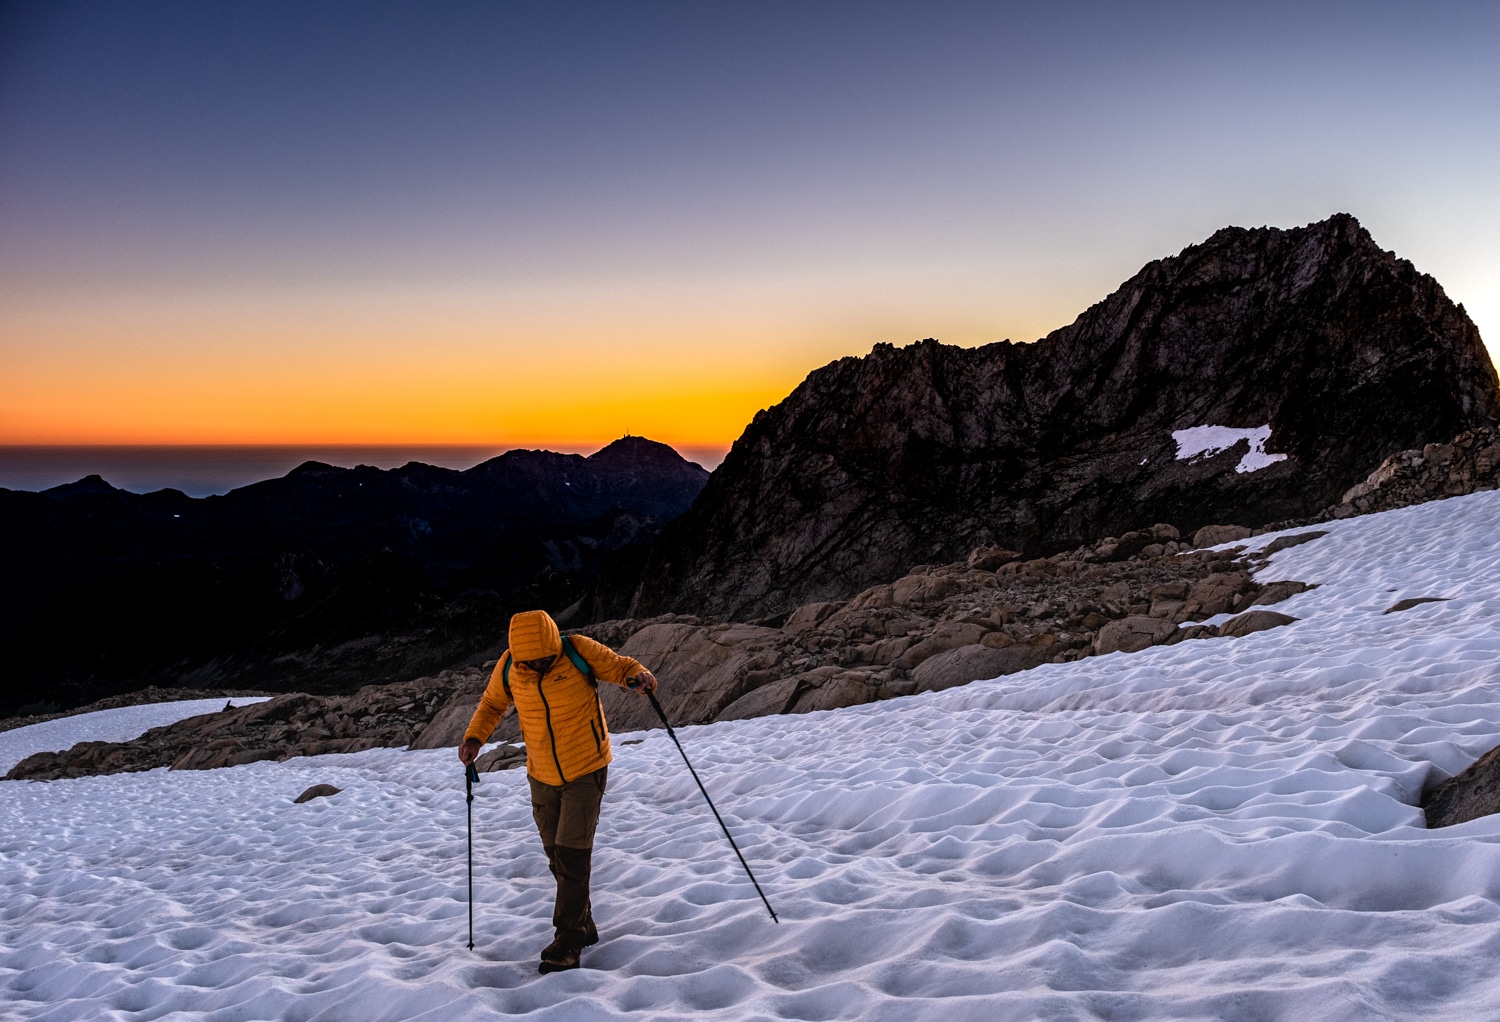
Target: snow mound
[117, 725]
[1217, 829]
[1200, 441]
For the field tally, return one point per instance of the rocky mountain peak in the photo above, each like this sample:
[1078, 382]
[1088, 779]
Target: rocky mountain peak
[89, 484]
[1253, 377]
[648, 460]
[636, 449]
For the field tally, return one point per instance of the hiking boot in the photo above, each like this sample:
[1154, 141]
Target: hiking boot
[558, 957]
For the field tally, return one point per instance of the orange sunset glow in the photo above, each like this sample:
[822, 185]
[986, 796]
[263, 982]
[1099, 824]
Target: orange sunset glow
[498, 226]
[688, 364]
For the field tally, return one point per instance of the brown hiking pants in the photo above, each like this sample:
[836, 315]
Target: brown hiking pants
[566, 816]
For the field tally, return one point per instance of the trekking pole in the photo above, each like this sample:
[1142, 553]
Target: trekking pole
[471, 778]
[657, 707]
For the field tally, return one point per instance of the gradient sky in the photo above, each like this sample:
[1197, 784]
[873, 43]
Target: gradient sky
[554, 223]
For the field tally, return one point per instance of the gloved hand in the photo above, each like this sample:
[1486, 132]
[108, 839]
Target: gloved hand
[468, 752]
[643, 682]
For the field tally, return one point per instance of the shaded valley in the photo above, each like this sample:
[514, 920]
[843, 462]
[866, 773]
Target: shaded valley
[321, 581]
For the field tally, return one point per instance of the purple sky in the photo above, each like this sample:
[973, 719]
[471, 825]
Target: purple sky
[211, 204]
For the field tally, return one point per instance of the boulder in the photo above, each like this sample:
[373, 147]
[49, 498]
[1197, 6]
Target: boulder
[762, 702]
[948, 635]
[875, 597]
[1114, 599]
[1414, 601]
[917, 590]
[447, 727]
[502, 758]
[1470, 795]
[858, 621]
[316, 791]
[1275, 592]
[809, 615]
[1281, 543]
[888, 651]
[1213, 535]
[210, 755]
[988, 558]
[252, 756]
[975, 662]
[701, 669]
[1219, 593]
[323, 747]
[1132, 634]
[281, 708]
[1126, 546]
[1254, 621]
[848, 688]
[1167, 600]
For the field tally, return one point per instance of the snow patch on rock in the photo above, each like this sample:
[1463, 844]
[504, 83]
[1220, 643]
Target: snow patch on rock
[1202, 441]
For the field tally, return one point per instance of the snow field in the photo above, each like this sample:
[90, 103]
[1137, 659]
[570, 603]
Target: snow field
[119, 725]
[1219, 829]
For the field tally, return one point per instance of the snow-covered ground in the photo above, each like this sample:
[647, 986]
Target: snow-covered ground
[1219, 829]
[103, 726]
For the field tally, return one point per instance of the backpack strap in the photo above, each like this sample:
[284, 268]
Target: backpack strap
[584, 667]
[505, 676]
[587, 671]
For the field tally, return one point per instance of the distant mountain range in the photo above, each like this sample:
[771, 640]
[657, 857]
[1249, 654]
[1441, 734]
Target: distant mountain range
[322, 580]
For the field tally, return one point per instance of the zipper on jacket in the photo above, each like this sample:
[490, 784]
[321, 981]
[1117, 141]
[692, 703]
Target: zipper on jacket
[551, 734]
[598, 744]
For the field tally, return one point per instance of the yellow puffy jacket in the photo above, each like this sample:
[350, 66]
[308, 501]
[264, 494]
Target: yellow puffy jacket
[562, 719]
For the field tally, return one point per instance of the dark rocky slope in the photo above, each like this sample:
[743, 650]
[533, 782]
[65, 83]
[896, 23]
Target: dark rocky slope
[1470, 463]
[320, 581]
[941, 626]
[920, 454]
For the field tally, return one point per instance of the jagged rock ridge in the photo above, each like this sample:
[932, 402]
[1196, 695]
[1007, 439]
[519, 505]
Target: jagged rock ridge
[920, 454]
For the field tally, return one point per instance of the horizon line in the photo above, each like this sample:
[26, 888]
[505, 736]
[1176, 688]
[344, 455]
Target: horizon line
[524, 445]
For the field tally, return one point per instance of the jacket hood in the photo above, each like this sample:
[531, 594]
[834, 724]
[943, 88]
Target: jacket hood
[534, 635]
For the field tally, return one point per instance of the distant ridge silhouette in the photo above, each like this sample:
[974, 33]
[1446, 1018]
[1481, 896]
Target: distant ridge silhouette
[324, 579]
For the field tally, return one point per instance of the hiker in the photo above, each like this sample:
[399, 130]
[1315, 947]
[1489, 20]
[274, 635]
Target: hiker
[552, 682]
